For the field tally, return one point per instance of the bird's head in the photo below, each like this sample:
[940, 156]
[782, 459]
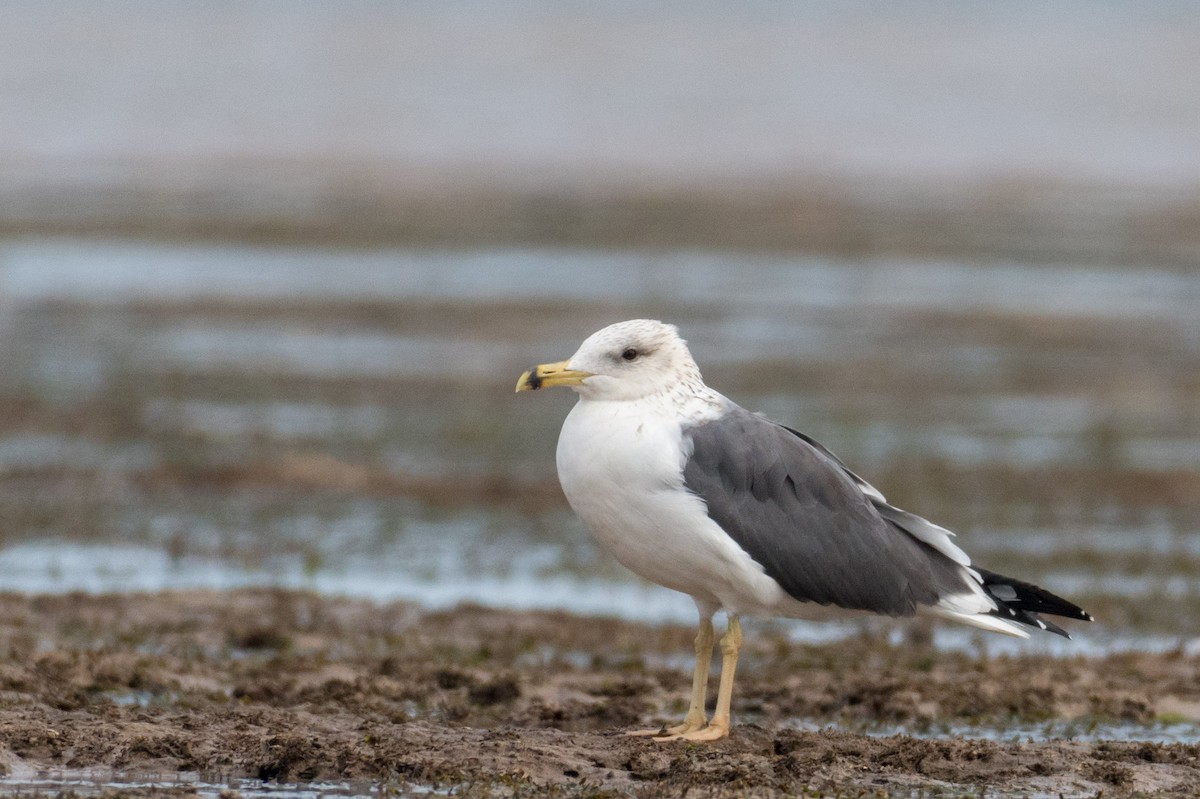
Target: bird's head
[628, 360]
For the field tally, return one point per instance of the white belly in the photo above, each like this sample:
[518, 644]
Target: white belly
[621, 468]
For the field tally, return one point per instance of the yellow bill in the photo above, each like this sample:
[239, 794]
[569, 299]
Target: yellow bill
[549, 375]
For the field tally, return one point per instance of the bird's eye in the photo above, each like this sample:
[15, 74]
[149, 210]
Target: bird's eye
[629, 354]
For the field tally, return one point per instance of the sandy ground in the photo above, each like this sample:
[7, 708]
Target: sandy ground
[292, 688]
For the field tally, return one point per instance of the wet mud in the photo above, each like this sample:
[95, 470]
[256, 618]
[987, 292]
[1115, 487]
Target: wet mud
[287, 688]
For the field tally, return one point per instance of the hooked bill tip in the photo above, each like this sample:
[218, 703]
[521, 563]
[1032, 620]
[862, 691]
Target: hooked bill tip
[529, 381]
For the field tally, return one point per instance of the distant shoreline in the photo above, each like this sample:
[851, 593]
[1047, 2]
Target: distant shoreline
[1025, 218]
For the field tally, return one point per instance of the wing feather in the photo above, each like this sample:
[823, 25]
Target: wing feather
[814, 526]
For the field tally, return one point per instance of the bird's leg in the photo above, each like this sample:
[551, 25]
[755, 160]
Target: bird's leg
[718, 728]
[696, 718]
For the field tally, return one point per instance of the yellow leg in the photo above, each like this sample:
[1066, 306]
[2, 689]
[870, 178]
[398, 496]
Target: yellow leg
[696, 718]
[718, 728]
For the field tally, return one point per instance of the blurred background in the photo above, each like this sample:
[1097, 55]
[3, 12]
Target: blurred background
[269, 272]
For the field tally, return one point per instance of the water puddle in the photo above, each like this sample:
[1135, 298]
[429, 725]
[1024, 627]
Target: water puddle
[24, 781]
[343, 420]
[1083, 730]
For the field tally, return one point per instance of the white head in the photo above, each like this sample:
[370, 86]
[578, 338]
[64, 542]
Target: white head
[628, 360]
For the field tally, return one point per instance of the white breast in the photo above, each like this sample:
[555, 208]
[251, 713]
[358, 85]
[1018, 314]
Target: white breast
[621, 468]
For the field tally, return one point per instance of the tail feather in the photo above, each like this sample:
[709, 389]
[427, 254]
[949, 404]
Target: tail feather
[1023, 602]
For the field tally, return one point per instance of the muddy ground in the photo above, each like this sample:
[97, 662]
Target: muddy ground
[292, 688]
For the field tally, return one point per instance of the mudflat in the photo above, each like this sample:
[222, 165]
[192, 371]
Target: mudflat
[292, 687]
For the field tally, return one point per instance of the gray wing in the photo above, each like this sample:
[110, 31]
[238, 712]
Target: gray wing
[793, 507]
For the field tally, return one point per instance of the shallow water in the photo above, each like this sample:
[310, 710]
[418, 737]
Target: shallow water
[92, 782]
[191, 415]
[1058, 730]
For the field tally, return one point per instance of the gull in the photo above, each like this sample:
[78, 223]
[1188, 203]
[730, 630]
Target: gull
[691, 491]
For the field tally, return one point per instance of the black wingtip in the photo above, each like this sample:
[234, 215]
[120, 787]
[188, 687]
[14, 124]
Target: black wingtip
[1024, 602]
